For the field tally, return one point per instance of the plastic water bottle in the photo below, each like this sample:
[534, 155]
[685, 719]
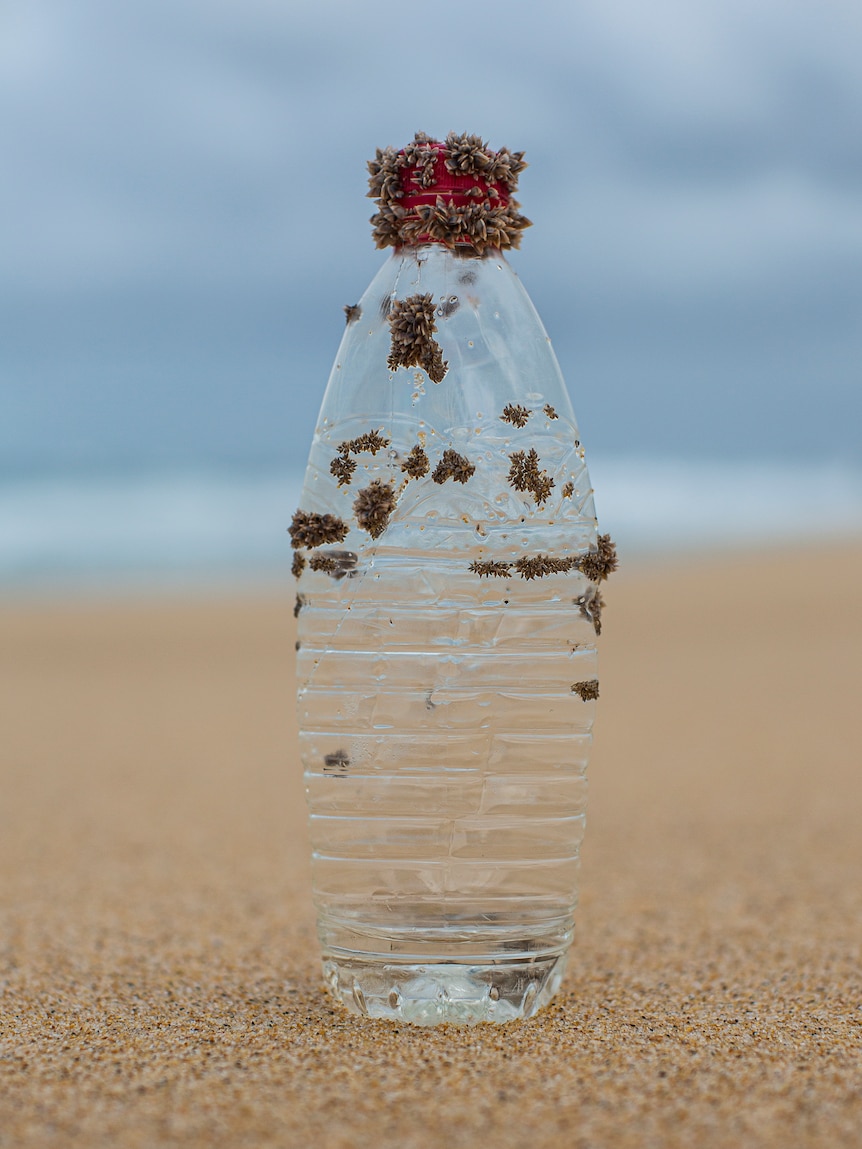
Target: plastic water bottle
[448, 563]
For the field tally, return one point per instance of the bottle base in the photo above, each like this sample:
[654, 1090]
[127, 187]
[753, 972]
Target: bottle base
[432, 993]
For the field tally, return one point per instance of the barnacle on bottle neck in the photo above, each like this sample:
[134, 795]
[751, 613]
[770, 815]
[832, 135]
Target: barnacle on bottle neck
[472, 209]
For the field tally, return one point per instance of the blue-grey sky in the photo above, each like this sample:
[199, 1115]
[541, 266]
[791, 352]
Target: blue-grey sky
[183, 212]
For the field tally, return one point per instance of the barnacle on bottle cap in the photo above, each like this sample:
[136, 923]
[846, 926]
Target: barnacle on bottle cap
[458, 193]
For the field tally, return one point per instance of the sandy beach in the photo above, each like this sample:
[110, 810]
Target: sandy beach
[159, 978]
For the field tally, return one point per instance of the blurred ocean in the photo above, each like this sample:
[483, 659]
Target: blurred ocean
[162, 529]
[188, 216]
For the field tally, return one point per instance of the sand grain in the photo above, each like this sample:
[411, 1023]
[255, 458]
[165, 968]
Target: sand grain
[158, 973]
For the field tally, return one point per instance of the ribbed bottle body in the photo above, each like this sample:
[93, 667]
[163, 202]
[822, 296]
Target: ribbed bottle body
[446, 658]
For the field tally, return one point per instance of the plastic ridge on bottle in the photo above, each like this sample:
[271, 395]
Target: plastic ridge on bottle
[448, 566]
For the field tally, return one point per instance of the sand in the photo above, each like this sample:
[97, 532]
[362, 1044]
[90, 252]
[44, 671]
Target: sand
[159, 983]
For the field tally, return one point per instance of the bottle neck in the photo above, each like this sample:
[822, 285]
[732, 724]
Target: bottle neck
[427, 247]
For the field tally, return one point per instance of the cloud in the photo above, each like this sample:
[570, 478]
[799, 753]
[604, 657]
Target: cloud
[700, 158]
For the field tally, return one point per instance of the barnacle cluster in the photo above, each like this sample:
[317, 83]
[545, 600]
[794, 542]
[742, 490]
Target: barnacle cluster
[515, 414]
[453, 466]
[590, 607]
[416, 464]
[485, 568]
[470, 156]
[420, 154]
[298, 564]
[588, 690]
[480, 215]
[412, 326]
[601, 562]
[373, 507]
[479, 224]
[550, 412]
[527, 566]
[342, 468]
[312, 530]
[537, 566]
[524, 475]
[352, 311]
[371, 441]
[336, 763]
[334, 563]
[322, 562]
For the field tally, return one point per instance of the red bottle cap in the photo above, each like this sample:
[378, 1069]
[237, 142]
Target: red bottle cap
[458, 193]
[421, 183]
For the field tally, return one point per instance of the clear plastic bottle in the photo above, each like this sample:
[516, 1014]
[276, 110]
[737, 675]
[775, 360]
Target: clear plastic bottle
[448, 565]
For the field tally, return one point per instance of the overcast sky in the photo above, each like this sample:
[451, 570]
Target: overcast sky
[183, 212]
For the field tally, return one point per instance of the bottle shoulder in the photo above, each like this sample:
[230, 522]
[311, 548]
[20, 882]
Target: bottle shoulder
[493, 344]
[482, 453]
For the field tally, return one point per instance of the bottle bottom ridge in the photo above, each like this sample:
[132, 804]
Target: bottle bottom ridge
[428, 977]
[431, 993]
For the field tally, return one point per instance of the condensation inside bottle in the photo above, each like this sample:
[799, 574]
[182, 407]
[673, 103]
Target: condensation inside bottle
[447, 654]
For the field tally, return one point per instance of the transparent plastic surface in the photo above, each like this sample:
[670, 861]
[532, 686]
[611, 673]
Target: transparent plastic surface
[443, 743]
